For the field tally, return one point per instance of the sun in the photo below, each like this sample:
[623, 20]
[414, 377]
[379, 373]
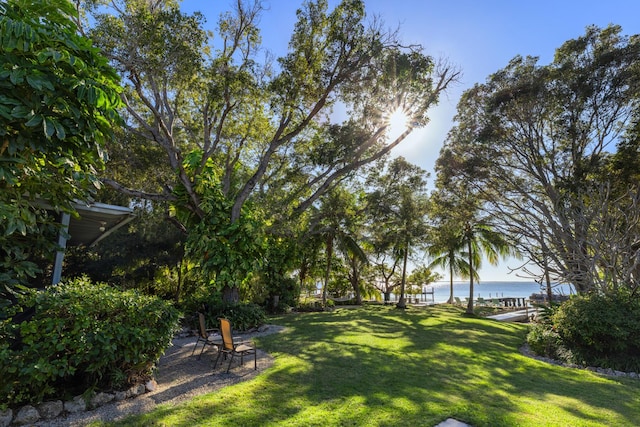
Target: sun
[398, 122]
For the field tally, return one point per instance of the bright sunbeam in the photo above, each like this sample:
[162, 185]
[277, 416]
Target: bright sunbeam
[398, 123]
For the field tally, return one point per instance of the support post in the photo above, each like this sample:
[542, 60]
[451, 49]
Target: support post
[62, 244]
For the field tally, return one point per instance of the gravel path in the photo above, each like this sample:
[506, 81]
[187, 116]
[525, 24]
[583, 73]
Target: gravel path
[180, 377]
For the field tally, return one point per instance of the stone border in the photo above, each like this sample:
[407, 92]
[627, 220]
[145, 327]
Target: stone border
[29, 414]
[526, 350]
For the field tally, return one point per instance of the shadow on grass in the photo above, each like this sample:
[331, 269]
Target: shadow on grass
[385, 367]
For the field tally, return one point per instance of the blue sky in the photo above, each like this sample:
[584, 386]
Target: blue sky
[479, 36]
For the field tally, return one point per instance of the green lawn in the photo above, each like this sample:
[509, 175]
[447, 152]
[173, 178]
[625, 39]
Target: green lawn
[379, 366]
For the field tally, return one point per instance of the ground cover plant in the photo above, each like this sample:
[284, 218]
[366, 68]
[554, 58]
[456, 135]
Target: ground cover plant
[379, 366]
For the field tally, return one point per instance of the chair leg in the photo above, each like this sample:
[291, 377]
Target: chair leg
[217, 358]
[230, 360]
[194, 347]
[202, 351]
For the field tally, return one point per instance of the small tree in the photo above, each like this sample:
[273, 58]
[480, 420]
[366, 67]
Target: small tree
[58, 103]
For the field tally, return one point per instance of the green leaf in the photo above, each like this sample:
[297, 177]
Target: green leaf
[34, 121]
[60, 133]
[17, 75]
[21, 112]
[48, 127]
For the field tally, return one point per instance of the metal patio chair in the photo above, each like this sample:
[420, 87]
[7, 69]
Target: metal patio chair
[229, 347]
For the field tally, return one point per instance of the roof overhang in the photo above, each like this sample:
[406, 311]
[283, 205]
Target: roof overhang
[95, 222]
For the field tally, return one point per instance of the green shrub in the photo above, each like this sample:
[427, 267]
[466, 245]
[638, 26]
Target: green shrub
[313, 305]
[243, 316]
[544, 340]
[601, 330]
[82, 336]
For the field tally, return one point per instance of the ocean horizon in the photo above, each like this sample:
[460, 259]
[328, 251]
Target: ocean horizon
[488, 289]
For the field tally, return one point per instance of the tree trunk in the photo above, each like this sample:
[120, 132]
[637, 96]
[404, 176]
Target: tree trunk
[327, 272]
[470, 304]
[548, 279]
[387, 296]
[355, 281]
[230, 294]
[402, 302]
[450, 282]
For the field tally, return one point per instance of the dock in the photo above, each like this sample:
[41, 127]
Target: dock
[515, 316]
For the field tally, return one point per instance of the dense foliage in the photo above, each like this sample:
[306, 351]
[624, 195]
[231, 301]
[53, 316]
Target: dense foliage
[58, 101]
[78, 335]
[266, 149]
[592, 330]
[243, 316]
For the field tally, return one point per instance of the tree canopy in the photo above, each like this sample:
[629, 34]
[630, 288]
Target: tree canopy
[263, 128]
[533, 140]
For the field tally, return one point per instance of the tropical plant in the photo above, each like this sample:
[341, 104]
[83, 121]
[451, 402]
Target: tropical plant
[78, 335]
[398, 205]
[446, 251]
[334, 222]
[58, 105]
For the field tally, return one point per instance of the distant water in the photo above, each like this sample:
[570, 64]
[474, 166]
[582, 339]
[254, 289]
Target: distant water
[489, 290]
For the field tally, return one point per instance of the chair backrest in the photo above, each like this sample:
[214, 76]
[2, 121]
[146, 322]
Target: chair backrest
[227, 335]
[203, 328]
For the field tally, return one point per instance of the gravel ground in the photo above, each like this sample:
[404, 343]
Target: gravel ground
[180, 377]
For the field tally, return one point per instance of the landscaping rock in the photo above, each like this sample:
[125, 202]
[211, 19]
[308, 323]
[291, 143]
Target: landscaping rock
[77, 404]
[100, 399]
[137, 390]
[6, 417]
[122, 395]
[151, 385]
[50, 410]
[26, 415]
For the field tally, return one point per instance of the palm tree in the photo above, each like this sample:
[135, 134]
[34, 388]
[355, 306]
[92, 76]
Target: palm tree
[399, 204]
[447, 253]
[481, 239]
[332, 222]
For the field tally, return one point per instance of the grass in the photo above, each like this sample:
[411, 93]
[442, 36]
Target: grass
[379, 366]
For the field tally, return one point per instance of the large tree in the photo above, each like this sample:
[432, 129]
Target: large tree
[58, 103]
[532, 141]
[264, 125]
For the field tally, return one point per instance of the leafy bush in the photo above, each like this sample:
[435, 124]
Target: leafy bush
[81, 336]
[544, 340]
[313, 305]
[243, 316]
[601, 330]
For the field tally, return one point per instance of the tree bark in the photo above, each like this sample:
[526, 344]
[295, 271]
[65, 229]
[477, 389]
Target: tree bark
[470, 304]
[402, 302]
